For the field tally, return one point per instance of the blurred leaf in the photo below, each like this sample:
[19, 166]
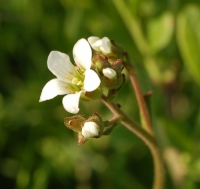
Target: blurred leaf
[159, 31]
[74, 20]
[188, 37]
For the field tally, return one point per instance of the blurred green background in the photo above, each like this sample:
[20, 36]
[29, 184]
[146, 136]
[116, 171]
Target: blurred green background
[38, 152]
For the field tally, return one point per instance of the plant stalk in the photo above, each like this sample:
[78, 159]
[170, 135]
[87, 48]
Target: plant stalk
[146, 122]
[149, 140]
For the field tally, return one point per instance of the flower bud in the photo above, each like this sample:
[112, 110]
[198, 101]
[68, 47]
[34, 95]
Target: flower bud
[105, 46]
[93, 127]
[114, 83]
[118, 66]
[109, 73]
[99, 62]
[90, 130]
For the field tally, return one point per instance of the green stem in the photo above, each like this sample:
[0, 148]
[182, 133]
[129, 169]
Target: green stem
[111, 124]
[146, 137]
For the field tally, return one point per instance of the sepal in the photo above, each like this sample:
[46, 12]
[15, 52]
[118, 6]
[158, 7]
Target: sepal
[81, 139]
[93, 95]
[75, 122]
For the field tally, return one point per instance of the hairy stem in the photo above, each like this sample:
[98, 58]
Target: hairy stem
[146, 137]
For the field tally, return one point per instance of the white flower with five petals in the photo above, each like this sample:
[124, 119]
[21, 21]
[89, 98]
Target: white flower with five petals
[71, 80]
[101, 45]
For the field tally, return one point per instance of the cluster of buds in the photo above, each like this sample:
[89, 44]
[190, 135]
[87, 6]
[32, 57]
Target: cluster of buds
[96, 72]
[109, 69]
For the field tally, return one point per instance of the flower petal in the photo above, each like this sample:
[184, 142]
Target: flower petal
[95, 42]
[71, 102]
[82, 54]
[53, 88]
[90, 129]
[106, 45]
[102, 45]
[91, 81]
[60, 65]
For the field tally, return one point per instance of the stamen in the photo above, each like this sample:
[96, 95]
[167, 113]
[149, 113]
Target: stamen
[79, 83]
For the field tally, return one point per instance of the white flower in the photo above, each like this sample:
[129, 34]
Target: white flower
[71, 80]
[109, 73]
[103, 45]
[90, 129]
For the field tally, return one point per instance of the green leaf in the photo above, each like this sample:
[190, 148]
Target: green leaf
[159, 31]
[188, 37]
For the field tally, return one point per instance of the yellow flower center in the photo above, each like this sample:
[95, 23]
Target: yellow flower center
[77, 82]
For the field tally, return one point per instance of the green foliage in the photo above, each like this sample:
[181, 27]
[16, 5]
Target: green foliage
[37, 151]
[188, 38]
[160, 30]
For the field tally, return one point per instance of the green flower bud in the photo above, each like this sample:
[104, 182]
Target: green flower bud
[109, 67]
[100, 62]
[118, 66]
